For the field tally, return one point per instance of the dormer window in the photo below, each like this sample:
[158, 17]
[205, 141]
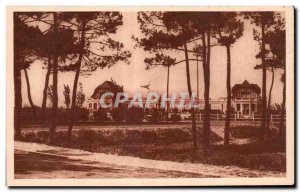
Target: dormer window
[245, 91]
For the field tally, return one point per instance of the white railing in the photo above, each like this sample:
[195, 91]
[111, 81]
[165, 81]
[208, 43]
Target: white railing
[239, 117]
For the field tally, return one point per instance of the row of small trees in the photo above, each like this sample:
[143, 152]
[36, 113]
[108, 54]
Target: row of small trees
[77, 42]
[194, 33]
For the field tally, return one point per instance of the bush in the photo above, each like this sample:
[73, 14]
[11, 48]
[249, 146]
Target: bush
[30, 137]
[244, 132]
[63, 114]
[175, 117]
[135, 115]
[249, 132]
[100, 115]
[88, 137]
[26, 114]
[81, 114]
[119, 114]
[154, 115]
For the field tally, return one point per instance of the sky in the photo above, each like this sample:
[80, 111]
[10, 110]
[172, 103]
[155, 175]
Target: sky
[134, 75]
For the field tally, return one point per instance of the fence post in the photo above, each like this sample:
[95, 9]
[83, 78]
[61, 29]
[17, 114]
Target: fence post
[271, 117]
[235, 116]
[253, 118]
[200, 117]
[217, 116]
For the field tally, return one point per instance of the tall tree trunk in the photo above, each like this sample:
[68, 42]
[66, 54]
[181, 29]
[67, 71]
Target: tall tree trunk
[197, 112]
[228, 86]
[194, 131]
[206, 120]
[18, 101]
[74, 91]
[270, 98]
[204, 54]
[264, 80]
[168, 80]
[44, 102]
[29, 95]
[55, 80]
[282, 127]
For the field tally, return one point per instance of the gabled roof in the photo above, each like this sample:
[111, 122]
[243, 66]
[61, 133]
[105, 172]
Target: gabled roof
[246, 84]
[108, 85]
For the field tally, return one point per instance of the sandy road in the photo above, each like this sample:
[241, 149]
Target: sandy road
[33, 165]
[134, 163]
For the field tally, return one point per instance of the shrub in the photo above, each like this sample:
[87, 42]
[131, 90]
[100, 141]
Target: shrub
[30, 137]
[119, 114]
[249, 132]
[82, 114]
[175, 117]
[155, 115]
[26, 114]
[42, 136]
[244, 132]
[100, 115]
[63, 114]
[135, 115]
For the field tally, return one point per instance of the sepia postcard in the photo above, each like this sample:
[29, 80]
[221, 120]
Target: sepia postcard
[150, 96]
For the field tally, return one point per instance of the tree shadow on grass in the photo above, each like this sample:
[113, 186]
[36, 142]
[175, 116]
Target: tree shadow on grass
[25, 163]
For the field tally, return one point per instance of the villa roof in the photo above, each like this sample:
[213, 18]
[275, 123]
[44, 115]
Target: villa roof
[246, 84]
[106, 85]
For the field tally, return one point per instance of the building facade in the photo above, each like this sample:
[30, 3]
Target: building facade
[93, 103]
[245, 99]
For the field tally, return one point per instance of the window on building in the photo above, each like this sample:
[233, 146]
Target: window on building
[90, 105]
[238, 107]
[95, 106]
[245, 95]
[253, 107]
[238, 95]
[253, 95]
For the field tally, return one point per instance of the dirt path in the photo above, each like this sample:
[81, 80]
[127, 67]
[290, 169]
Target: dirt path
[31, 165]
[201, 170]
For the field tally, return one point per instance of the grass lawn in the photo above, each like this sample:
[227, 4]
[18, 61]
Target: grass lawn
[175, 145]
